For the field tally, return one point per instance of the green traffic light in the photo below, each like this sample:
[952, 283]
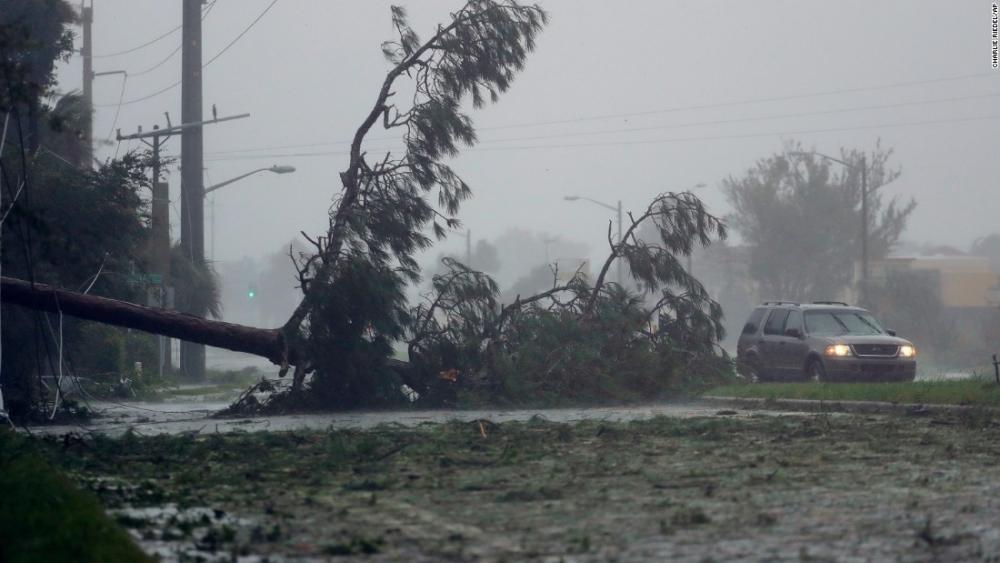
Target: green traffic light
[251, 293]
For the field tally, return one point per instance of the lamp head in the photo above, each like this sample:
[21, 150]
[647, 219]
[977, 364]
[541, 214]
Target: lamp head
[282, 169]
[571, 198]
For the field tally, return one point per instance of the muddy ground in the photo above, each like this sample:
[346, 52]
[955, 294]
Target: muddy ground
[716, 487]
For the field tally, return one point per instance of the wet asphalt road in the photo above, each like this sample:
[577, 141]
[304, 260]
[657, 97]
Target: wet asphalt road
[189, 417]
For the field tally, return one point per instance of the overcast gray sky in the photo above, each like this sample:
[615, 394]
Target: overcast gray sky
[308, 72]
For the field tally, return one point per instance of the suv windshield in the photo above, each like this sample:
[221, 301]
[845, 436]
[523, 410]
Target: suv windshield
[841, 322]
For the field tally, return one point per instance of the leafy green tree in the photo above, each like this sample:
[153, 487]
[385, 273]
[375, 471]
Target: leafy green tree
[579, 341]
[385, 204]
[34, 36]
[801, 217]
[48, 237]
[72, 227]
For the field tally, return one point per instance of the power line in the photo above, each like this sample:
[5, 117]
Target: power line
[747, 101]
[178, 83]
[242, 33]
[159, 64]
[742, 119]
[143, 98]
[121, 96]
[659, 127]
[137, 47]
[647, 141]
[152, 41]
[750, 135]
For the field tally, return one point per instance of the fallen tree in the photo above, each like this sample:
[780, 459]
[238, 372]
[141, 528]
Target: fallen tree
[575, 336]
[376, 224]
[239, 338]
[582, 340]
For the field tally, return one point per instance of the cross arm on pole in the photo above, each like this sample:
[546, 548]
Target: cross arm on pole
[178, 128]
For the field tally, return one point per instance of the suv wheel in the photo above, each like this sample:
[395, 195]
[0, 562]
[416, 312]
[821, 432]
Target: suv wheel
[815, 371]
[752, 369]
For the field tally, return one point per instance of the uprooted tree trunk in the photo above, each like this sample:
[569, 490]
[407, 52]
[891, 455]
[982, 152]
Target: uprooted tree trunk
[259, 341]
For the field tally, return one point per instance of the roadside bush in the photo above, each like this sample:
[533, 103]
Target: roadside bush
[46, 518]
[100, 351]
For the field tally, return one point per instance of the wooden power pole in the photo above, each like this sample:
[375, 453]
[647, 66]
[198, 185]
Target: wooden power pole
[159, 249]
[192, 168]
[87, 19]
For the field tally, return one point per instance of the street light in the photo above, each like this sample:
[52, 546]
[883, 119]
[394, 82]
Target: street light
[618, 209]
[618, 266]
[276, 169]
[864, 212]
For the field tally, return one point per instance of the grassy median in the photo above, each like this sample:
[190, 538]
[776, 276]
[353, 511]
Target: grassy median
[980, 392]
[723, 487]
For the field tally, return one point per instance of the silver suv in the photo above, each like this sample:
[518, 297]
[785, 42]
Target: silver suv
[821, 341]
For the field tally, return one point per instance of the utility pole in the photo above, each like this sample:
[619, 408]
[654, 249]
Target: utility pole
[159, 244]
[192, 168]
[864, 231]
[619, 264]
[87, 52]
[159, 250]
[863, 284]
[159, 240]
[468, 247]
[87, 19]
[546, 241]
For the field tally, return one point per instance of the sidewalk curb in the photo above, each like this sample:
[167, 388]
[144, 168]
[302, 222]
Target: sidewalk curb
[855, 407]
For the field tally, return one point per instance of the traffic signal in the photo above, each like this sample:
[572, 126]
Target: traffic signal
[251, 292]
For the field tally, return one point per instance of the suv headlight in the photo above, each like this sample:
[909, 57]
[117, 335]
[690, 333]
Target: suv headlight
[907, 351]
[840, 350]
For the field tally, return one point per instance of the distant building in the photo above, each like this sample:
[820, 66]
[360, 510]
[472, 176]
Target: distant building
[945, 302]
[961, 281]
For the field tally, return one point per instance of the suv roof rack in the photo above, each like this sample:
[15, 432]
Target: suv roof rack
[780, 303]
[830, 303]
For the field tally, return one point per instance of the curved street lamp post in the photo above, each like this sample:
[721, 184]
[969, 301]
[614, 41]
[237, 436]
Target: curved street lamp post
[618, 210]
[284, 169]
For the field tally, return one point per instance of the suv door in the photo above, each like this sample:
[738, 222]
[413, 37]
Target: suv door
[793, 349]
[771, 344]
[747, 348]
[749, 335]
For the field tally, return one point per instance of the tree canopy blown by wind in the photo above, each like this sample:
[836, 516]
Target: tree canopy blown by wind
[800, 214]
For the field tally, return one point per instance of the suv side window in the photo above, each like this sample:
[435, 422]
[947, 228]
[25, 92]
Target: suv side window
[753, 323]
[794, 321]
[776, 322]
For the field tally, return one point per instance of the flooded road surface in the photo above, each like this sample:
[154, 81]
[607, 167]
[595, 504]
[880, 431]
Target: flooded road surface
[726, 487]
[193, 416]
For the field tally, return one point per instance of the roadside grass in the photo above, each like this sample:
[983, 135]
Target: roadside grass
[979, 392]
[544, 490]
[46, 518]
